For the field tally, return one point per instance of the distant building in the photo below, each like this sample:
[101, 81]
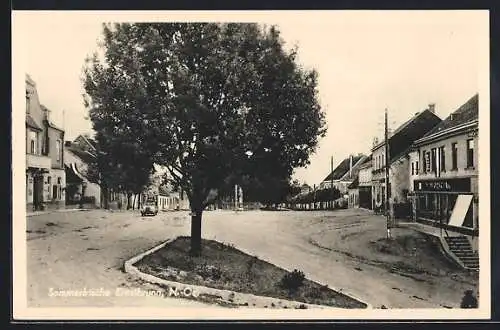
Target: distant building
[83, 182]
[45, 175]
[78, 156]
[344, 174]
[400, 143]
[353, 191]
[166, 197]
[444, 172]
[173, 201]
[365, 183]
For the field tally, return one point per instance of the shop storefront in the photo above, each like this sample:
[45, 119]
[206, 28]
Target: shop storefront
[446, 202]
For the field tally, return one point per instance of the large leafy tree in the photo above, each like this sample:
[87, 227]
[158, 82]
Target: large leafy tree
[120, 165]
[268, 189]
[210, 102]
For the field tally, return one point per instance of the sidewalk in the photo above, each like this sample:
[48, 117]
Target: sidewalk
[429, 230]
[31, 214]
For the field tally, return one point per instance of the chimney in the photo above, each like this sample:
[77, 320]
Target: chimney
[350, 166]
[46, 113]
[432, 107]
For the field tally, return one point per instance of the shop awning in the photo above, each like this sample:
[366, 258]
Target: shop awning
[460, 210]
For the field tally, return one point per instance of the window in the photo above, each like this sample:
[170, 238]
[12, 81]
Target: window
[59, 180]
[470, 153]
[55, 191]
[58, 150]
[416, 167]
[454, 154]
[433, 159]
[442, 161]
[33, 139]
[423, 161]
[49, 180]
[427, 159]
[412, 168]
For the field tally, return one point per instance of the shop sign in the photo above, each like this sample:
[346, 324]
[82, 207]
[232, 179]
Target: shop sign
[459, 185]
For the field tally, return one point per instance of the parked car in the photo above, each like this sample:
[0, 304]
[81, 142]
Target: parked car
[149, 208]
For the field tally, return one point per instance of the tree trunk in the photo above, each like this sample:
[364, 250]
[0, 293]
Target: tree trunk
[196, 214]
[133, 204]
[196, 233]
[129, 198]
[105, 198]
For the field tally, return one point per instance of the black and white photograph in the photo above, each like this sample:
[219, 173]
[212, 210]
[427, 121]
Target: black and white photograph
[189, 165]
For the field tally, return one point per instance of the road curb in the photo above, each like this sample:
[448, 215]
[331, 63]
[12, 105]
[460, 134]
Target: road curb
[232, 297]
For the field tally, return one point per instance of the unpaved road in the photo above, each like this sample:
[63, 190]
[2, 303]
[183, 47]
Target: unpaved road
[87, 250]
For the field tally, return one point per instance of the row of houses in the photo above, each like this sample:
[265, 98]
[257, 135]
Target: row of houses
[58, 173]
[433, 171]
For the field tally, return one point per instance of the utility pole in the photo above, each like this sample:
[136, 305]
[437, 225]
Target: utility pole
[331, 182]
[387, 165]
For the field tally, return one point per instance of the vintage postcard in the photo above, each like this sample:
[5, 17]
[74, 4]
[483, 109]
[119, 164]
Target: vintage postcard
[185, 165]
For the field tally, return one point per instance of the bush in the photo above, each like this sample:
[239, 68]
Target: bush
[292, 281]
[208, 271]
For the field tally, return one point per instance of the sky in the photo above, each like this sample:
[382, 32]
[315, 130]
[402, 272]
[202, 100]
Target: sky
[367, 61]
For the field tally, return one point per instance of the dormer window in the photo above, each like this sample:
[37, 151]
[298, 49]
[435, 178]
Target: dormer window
[27, 101]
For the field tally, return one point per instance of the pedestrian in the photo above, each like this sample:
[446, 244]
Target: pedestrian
[468, 300]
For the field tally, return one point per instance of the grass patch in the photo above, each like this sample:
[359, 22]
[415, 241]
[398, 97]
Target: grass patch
[415, 253]
[224, 267]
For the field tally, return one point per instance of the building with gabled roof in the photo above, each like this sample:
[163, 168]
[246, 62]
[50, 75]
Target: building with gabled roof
[82, 184]
[45, 175]
[344, 174]
[400, 143]
[444, 173]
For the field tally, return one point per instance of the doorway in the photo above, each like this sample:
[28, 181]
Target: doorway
[37, 191]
